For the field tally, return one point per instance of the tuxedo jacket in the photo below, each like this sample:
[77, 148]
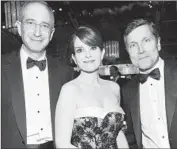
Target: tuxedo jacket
[13, 127]
[131, 106]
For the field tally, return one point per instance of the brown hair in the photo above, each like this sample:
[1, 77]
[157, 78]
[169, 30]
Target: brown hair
[88, 35]
[139, 22]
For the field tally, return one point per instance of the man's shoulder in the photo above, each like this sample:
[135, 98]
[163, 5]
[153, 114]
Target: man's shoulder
[130, 83]
[60, 67]
[58, 63]
[171, 62]
[170, 65]
[9, 57]
[130, 88]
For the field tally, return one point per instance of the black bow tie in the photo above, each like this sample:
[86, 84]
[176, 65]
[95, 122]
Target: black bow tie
[153, 74]
[40, 64]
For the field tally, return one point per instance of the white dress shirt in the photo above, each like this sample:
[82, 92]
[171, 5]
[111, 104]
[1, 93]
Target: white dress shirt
[37, 102]
[153, 111]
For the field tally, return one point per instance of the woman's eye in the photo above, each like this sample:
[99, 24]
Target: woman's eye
[79, 50]
[93, 48]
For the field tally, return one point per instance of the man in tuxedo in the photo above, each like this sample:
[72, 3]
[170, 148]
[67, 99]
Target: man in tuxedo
[150, 98]
[31, 82]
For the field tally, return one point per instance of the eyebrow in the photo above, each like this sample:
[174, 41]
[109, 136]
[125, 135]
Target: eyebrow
[40, 23]
[142, 39]
[78, 47]
[132, 42]
[29, 20]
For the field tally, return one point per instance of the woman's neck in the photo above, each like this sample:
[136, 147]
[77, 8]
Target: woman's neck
[89, 78]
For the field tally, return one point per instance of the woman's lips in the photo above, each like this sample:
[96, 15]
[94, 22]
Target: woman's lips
[89, 61]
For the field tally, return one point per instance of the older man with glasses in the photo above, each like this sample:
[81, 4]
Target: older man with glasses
[31, 82]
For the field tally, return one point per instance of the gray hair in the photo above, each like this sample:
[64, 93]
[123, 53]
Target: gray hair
[33, 2]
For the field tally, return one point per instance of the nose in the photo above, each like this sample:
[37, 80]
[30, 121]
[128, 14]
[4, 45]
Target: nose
[88, 53]
[140, 48]
[37, 31]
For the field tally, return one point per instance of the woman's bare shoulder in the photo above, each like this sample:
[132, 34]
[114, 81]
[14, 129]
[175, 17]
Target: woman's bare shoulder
[68, 94]
[111, 84]
[114, 88]
[71, 85]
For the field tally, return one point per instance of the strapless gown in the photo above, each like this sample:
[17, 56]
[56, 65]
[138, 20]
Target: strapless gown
[90, 132]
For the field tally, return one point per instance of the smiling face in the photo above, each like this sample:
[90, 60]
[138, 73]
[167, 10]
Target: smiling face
[36, 27]
[143, 47]
[87, 58]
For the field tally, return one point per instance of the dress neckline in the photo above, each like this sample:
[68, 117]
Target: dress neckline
[94, 111]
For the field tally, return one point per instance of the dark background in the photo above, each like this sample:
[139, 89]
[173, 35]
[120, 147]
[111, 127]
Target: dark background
[109, 17]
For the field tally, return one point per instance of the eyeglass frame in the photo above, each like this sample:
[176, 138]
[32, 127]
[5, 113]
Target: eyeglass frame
[48, 28]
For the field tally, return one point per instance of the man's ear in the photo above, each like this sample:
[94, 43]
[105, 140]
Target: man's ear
[102, 54]
[18, 25]
[51, 35]
[74, 59]
[158, 44]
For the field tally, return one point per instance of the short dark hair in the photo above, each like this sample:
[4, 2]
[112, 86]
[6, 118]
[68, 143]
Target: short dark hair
[25, 4]
[139, 22]
[88, 35]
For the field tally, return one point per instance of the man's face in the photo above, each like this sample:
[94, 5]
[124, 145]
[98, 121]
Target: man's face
[36, 37]
[143, 47]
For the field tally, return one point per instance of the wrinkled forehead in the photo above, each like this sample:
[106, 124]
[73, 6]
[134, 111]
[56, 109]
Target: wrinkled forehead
[38, 12]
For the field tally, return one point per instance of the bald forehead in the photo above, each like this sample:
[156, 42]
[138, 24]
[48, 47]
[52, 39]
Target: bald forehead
[39, 7]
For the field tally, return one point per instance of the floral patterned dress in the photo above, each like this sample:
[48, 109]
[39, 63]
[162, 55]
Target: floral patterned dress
[98, 133]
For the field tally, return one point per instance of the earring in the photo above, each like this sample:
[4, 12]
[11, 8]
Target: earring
[77, 68]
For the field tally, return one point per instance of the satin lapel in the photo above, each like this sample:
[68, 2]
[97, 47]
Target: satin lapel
[170, 92]
[53, 87]
[14, 74]
[135, 109]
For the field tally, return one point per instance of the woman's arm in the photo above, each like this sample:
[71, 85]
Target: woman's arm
[121, 140]
[64, 117]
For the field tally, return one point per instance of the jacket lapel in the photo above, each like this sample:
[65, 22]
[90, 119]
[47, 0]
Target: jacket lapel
[170, 92]
[135, 109]
[170, 100]
[53, 87]
[14, 74]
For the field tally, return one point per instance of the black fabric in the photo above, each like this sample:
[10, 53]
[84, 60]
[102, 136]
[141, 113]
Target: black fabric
[153, 74]
[13, 113]
[47, 145]
[40, 64]
[131, 106]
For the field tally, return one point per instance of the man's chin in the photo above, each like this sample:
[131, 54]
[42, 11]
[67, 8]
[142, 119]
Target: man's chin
[37, 50]
[143, 69]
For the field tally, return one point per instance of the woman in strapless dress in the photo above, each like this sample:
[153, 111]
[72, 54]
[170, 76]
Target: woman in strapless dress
[88, 112]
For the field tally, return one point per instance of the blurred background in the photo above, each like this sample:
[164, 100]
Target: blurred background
[110, 17]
